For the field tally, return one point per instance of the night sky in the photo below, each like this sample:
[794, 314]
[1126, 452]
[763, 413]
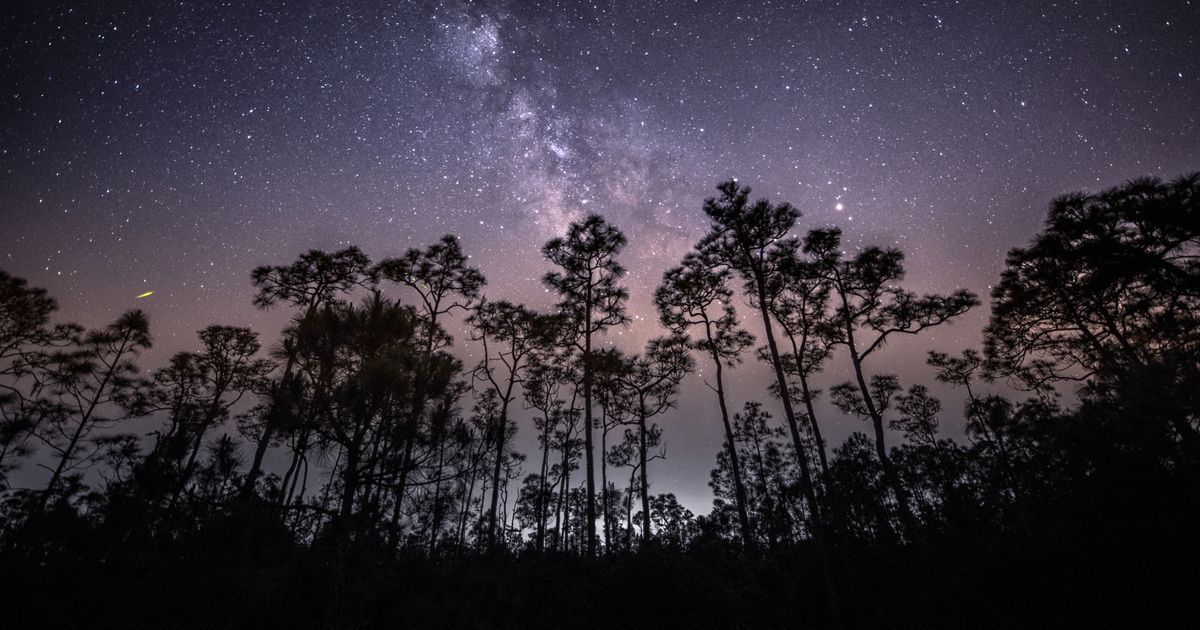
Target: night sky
[173, 148]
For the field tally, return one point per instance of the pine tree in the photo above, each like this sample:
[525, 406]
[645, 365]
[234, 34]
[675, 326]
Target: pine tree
[591, 301]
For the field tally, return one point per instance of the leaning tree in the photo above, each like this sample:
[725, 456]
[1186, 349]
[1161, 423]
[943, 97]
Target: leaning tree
[870, 307]
[88, 384]
[746, 236]
[696, 295]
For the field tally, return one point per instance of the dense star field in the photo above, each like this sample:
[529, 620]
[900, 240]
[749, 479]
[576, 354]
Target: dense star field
[173, 148]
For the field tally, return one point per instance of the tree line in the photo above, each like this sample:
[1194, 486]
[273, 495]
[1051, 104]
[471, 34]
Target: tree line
[359, 430]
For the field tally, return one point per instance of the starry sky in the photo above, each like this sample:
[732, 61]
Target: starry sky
[174, 146]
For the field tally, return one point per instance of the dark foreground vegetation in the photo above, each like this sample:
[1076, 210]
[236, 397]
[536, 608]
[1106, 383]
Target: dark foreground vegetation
[397, 500]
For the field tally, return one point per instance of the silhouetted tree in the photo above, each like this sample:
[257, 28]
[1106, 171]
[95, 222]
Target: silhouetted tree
[199, 389]
[697, 295]
[546, 376]
[26, 340]
[515, 332]
[88, 383]
[372, 356]
[768, 467]
[628, 453]
[674, 523]
[1109, 293]
[745, 236]
[918, 415]
[870, 308]
[481, 427]
[799, 299]
[650, 382]
[440, 276]
[444, 283]
[859, 492]
[451, 447]
[608, 367]
[315, 280]
[591, 302]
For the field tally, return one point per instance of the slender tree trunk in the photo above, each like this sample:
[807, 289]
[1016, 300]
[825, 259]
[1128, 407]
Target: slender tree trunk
[328, 489]
[646, 533]
[299, 459]
[415, 413]
[816, 427]
[401, 486]
[84, 419]
[558, 515]
[62, 464]
[470, 494]
[590, 509]
[789, 412]
[482, 514]
[303, 482]
[186, 474]
[890, 475]
[764, 489]
[604, 484]
[287, 483]
[260, 451]
[629, 511]
[435, 525]
[500, 431]
[739, 488]
[806, 393]
[543, 486]
[372, 489]
[349, 488]
[806, 475]
[563, 504]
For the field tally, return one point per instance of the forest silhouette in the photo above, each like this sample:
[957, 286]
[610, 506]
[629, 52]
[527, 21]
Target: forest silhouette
[355, 472]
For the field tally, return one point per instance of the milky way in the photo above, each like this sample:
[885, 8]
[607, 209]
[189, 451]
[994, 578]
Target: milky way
[173, 148]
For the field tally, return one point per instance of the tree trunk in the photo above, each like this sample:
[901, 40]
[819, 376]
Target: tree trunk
[646, 534]
[401, 485]
[349, 488]
[590, 509]
[629, 512]
[764, 488]
[889, 470]
[808, 406]
[739, 488]
[564, 508]
[435, 524]
[62, 464]
[83, 422]
[543, 486]
[300, 459]
[260, 451]
[805, 473]
[470, 494]
[186, 474]
[604, 485]
[500, 430]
